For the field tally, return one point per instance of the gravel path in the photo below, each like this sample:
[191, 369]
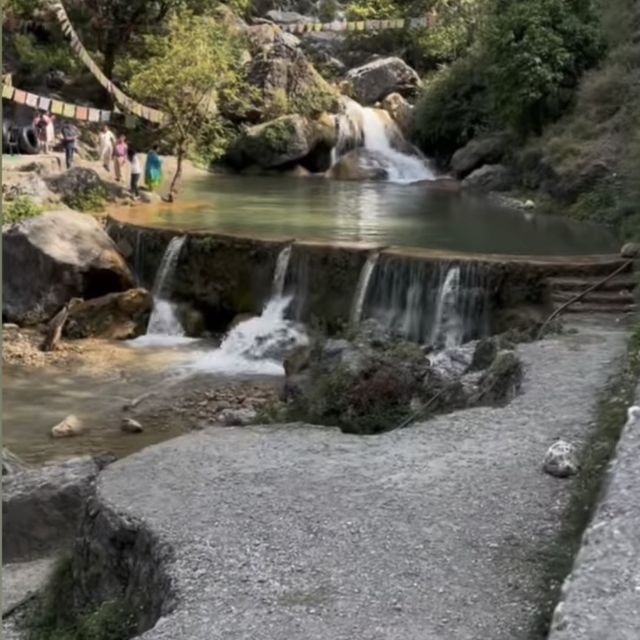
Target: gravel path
[434, 532]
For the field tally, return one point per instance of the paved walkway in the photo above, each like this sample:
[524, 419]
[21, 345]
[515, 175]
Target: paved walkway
[434, 532]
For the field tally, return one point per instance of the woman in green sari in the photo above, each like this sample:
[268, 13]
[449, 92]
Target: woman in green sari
[153, 169]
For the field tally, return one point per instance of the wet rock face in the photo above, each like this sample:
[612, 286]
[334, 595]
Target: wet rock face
[116, 316]
[478, 152]
[49, 259]
[400, 111]
[360, 164]
[42, 507]
[490, 177]
[373, 81]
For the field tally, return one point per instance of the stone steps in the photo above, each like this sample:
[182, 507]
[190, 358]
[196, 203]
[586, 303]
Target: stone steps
[615, 296]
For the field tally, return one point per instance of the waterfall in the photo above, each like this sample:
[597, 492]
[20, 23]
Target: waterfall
[438, 303]
[375, 131]
[163, 320]
[401, 167]
[280, 273]
[447, 327]
[258, 345]
[361, 290]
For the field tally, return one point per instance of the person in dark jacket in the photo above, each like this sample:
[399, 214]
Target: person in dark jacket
[69, 135]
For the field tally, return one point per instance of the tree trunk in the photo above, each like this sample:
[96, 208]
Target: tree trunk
[173, 190]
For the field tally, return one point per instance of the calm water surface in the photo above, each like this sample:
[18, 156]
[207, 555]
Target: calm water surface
[409, 215]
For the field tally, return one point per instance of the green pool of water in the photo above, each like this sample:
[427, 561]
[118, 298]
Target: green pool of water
[416, 215]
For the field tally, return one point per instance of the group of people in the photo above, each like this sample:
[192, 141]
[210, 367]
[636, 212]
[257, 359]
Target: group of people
[122, 152]
[110, 149]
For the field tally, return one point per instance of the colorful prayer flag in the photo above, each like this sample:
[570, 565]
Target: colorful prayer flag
[44, 103]
[56, 107]
[105, 116]
[94, 115]
[69, 110]
[7, 91]
[82, 113]
[31, 100]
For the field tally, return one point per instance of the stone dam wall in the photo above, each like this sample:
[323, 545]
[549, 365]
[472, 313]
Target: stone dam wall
[223, 276]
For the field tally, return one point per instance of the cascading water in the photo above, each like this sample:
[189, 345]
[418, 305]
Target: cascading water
[447, 329]
[373, 129]
[442, 304]
[163, 320]
[258, 345]
[280, 273]
[362, 288]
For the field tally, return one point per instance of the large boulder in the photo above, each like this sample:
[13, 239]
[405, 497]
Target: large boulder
[478, 152]
[490, 177]
[49, 259]
[375, 80]
[283, 76]
[81, 181]
[360, 164]
[116, 316]
[281, 141]
[42, 507]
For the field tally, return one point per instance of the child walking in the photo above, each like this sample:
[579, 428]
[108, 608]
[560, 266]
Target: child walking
[135, 169]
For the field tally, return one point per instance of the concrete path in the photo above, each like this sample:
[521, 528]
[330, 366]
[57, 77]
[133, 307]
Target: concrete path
[438, 531]
[602, 595]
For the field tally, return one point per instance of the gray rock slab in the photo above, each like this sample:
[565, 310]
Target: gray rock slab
[437, 531]
[20, 580]
[601, 596]
[42, 507]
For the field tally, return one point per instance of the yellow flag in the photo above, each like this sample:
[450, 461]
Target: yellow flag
[56, 107]
[69, 110]
[7, 91]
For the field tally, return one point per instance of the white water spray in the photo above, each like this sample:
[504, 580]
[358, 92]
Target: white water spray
[375, 130]
[361, 290]
[258, 345]
[163, 320]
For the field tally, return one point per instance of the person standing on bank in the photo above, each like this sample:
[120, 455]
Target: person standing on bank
[134, 164]
[120, 156]
[106, 145]
[69, 134]
[153, 169]
[50, 132]
[40, 124]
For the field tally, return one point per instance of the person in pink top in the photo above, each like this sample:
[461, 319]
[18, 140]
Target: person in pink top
[41, 123]
[120, 156]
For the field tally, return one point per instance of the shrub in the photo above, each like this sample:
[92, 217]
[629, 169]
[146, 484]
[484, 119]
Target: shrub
[453, 109]
[90, 200]
[19, 209]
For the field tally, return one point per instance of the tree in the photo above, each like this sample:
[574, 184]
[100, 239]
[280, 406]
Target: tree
[186, 69]
[114, 23]
[536, 51]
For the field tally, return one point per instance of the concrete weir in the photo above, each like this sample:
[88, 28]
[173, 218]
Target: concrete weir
[439, 531]
[222, 276]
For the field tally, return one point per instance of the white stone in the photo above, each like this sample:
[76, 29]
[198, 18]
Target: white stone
[561, 459]
[70, 426]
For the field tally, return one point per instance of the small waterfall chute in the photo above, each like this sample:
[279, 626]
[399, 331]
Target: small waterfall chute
[448, 326]
[361, 289]
[280, 273]
[164, 325]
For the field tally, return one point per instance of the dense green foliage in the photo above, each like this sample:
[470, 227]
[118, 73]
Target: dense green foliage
[521, 72]
[536, 51]
[19, 209]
